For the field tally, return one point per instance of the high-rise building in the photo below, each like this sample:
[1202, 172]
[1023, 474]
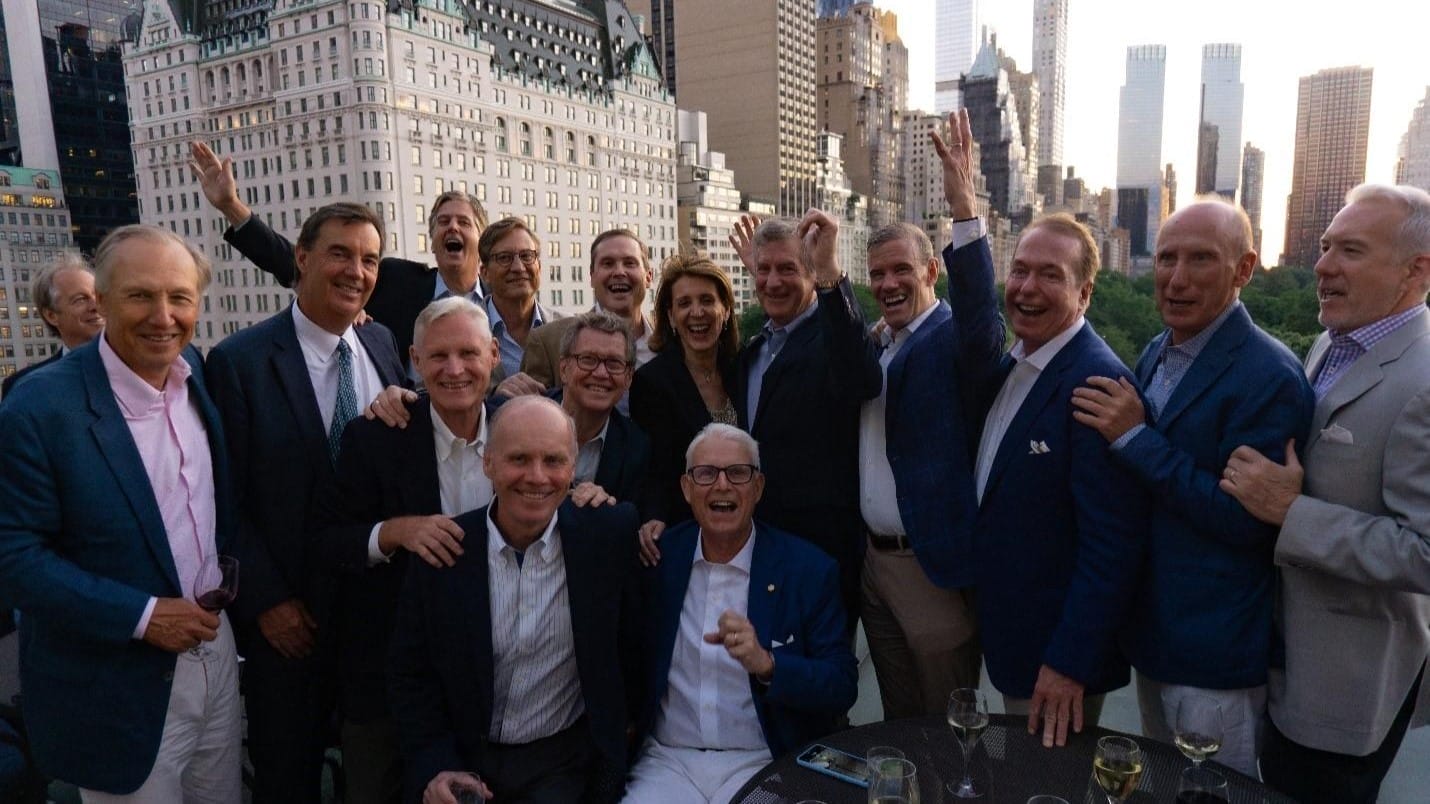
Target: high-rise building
[1253, 182]
[863, 83]
[838, 198]
[753, 73]
[1139, 147]
[1413, 166]
[998, 99]
[1332, 130]
[709, 203]
[565, 124]
[1218, 158]
[1169, 191]
[35, 229]
[72, 114]
[1050, 54]
[957, 37]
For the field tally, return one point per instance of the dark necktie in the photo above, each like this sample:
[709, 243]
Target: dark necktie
[346, 408]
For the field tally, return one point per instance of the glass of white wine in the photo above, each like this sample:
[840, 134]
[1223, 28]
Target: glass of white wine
[1198, 732]
[968, 717]
[1117, 767]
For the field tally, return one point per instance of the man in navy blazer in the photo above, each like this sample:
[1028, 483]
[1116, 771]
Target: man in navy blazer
[403, 288]
[508, 669]
[115, 493]
[1199, 633]
[286, 388]
[1059, 534]
[916, 443]
[742, 616]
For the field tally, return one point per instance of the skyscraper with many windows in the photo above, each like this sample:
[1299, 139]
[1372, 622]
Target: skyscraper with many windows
[1332, 131]
[957, 37]
[1219, 135]
[1050, 55]
[1413, 166]
[1139, 147]
[1253, 181]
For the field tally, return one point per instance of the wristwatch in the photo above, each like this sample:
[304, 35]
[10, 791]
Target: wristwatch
[829, 284]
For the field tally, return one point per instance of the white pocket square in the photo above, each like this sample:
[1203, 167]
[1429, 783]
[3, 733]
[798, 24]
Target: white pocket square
[1038, 448]
[1337, 434]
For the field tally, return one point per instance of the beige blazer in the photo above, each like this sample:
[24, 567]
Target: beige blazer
[1354, 552]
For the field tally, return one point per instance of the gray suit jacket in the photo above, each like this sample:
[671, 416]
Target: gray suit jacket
[1355, 553]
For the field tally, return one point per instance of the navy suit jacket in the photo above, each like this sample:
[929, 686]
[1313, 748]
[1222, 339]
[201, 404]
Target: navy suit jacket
[82, 549]
[932, 415]
[807, 423]
[1202, 614]
[9, 382]
[403, 287]
[793, 600]
[441, 666]
[1059, 537]
[279, 449]
[382, 472]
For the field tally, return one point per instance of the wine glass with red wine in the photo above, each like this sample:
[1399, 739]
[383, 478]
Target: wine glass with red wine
[215, 587]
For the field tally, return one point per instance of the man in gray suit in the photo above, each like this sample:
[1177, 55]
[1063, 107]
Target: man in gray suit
[1354, 545]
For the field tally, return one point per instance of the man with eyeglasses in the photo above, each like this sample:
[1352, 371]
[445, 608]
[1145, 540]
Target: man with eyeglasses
[511, 262]
[745, 650]
[597, 361]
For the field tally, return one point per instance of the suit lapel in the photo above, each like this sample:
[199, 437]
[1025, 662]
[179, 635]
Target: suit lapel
[895, 378]
[421, 489]
[477, 612]
[218, 453]
[116, 444]
[609, 468]
[580, 558]
[741, 384]
[292, 371]
[1214, 360]
[766, 583]
[796, 345]
[387, 363]
[1367, 372]
[674, 569]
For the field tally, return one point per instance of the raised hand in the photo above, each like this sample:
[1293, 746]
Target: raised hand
[215, 178]
[820, 234]
[957, 158]
[743, 240]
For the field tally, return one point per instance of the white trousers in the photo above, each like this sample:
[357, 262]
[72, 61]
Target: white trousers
[1241, 719]
[667, 775]
[200, 751]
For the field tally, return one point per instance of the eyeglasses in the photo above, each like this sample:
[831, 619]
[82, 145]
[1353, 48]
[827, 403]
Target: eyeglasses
[527, 257]
[588, 362]
[737, 473]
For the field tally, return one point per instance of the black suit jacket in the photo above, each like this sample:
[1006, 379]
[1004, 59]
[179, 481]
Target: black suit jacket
[403, 287]
[441, 666]
[807, 424]
[279, 452]
[9, 382]
[666, 404]
[383, 472]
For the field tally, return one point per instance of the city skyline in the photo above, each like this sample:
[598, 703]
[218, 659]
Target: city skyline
[1099, 34]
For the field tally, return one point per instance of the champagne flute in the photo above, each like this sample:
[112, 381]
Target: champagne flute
[1202, 786]
[215, 586]
[893, 781]
[1198, 732]
[968, 717]
[1117, 767]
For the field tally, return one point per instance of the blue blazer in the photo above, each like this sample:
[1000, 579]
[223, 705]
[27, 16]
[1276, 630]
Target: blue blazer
[82, 549]
[1202, 614]
[441, 667]
[280, 457]
[794, 600]
[932, 415]
[1059, 536]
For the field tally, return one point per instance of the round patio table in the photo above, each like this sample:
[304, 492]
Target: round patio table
[1009, 765]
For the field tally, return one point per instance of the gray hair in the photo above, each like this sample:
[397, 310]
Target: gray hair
[1414, 235]
[600, 321]
[728, 433]
[902, 231]
[452, 305]
[105, 256]
[519, 403]
[778, 230]
[42, 292]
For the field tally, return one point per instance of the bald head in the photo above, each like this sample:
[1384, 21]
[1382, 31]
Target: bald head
[1218, 218]
[527, 414]
[1204, 257]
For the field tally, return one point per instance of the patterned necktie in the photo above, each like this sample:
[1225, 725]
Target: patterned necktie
[345, 410]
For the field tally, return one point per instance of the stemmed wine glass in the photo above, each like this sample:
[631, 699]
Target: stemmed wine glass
[215, 586]
[1117, 767]
[1199, 728]
[968, 716]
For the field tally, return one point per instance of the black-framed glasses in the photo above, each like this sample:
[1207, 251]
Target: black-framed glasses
[737, 473]
[527, 257]
[589, 362]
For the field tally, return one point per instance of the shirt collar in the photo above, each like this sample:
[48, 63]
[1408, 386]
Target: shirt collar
[741, 560]
[547, 548]
[135, 396]
[440, 289]
[1045, 353]
[600, 437]
[789, 328]
[446, 440]
[1194, 345]
[905, 333]
[1376, 331]
[538, 315]
[317, 340]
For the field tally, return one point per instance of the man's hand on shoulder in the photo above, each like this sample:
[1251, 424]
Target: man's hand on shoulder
[1109, 406]
[590, 495]
[177, 625]
[391, 406]
[519, 384]
[435, 539]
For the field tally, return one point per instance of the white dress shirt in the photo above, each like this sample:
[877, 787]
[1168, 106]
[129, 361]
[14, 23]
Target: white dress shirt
[536, 692]
[1011, 396]
[708, 703]
[318, 347]
[878, 496]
